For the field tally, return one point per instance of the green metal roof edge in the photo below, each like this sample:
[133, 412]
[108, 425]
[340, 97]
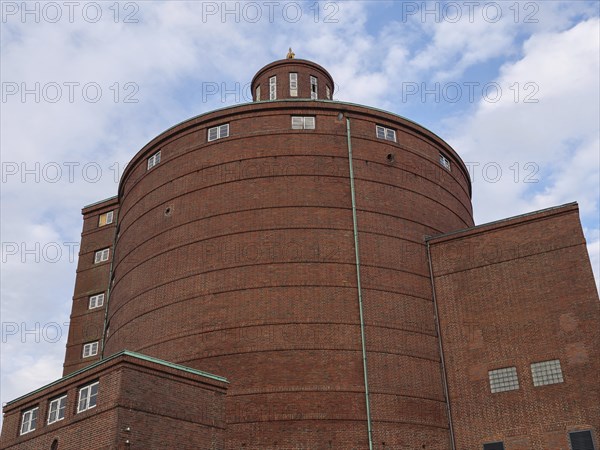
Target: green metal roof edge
[116, 355]
[292, 100]
[100, 201]
[500, 221]
[174, 366]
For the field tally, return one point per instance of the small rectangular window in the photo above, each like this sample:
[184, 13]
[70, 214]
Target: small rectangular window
[385, 133]
[257, 95]
[56, 409]
[90, 349]
[303, 123]
[87, 397]
[293, 84]
[313, 88]
[219, 132]
[546, 372]
[502, 380]
[106, 218]
[273, 88]
[327, 93]
[101, 255]
[581, 440]
[29, 420]
[494, 446]
[96, 301]
[153, 160]
[444, 162]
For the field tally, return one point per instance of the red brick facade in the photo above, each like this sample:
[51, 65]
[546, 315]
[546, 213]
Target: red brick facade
[301, 70]
[237, 256]
[511, 294]
[141, 404]
[235, 253]
[86, 323]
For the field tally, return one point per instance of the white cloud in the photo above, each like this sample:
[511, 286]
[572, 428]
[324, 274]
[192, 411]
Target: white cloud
[559, 134]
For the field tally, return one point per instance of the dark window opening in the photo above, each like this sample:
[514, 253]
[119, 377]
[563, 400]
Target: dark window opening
[494, 446]
[581, 440]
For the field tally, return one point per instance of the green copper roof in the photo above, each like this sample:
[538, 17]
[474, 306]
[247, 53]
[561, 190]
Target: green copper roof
[116, 355]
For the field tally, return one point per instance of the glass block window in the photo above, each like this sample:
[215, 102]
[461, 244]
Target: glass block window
[502, 380]
[581, 440]
[494, 446]
[546, 372]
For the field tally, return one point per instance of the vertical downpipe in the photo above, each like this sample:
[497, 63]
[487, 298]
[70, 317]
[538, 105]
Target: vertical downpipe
[360, 303]
[441, 348]
[110, 274]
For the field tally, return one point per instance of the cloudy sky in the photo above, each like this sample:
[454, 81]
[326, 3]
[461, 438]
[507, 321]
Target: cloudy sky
[512, 86]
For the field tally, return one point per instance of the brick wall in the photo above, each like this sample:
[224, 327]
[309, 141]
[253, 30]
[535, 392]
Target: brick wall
[510, 294]
[236, 256]
[141, 404]
[87, 324]
[281, 70]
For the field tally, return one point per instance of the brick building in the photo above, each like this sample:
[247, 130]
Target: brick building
[322, 257]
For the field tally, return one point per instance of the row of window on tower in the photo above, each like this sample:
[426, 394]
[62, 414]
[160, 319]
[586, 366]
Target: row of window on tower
[86, 399]
[314, 88]
[298, 123]
[579, 440]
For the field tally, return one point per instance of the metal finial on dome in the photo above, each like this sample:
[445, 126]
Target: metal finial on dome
[290, 54]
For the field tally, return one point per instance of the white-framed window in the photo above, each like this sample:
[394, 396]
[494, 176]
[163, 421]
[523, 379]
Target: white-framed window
[504, 379]
[444, 161]
[221, 131]
[257, 93]
[101, 255]
[327, 92]
[106, 218]
[96, 301]
[385, 133]
[90, 349]
[29, 420]
[293, 84]
[273, 88]
[87, 397]
[153, 160]
[546, 372]
[56, 409]
[303, 123]
[313, 88]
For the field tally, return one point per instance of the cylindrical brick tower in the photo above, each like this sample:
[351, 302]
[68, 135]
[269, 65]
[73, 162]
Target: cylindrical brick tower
[236, 253]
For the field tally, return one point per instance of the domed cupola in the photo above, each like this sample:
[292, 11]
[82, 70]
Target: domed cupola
[292, 78]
